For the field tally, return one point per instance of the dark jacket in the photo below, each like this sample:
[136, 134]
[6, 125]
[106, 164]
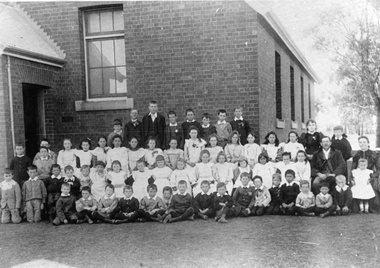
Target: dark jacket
[128, 206]
[343, 145]
[311, 142]
[288, 194]
[133, 130]
[335, 163]
[343, 198]
[161, 128]
[203, 201]
[242, 126]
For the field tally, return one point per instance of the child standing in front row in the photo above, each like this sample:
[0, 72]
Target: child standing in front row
[10, 198]
[275, 203]
[288, 194]
[193, 147]
[342, 196]
[65, 207]
[324, 201]
[305, 202]
[223, 129]
[252, 150]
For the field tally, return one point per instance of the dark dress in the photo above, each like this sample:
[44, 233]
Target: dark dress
[311, 142]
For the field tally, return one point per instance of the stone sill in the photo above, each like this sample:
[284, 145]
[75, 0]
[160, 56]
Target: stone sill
[294, 125]
[104, 105]
[280, 123]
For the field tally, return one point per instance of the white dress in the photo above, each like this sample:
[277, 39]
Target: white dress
[224, 173]
[84, 157]
[252, 152]
[101, 154]
[133, 156]
[203, 171]
[265, 171]
[362, 188]
[193, 149]
[171, 157]
[234, 152]
[303, 171]
[119, 154]
[99, 182]
[141, 183]
[161, 178]
[117, 180]
[293, 148]
[66, 158]
[214, 151]
[185, 174]
[150, 155]
[271, 150]
[283, 168]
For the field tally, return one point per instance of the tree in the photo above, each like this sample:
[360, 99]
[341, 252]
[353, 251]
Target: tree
[350, 36]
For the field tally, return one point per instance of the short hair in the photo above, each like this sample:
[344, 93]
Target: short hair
[19, 144]
[67, 168]
[86, 188]
[32, 167]
[153, 102]
[324, 184]
[257, 177]
[326, 137]
[172, 112]
[84, 167]
[340, 177]
[244, 174]
[287, 154]
[167, 188]
[43, 147]
[151, 186]
[141, 161]
[182, 182]
[206, 115]
[117, 122]
[263, 155]
[45, 139]
[55, 166]
[116, 162]
[65, 184]
[8, 171]
[222, 111]
[205, 182]
[100, 163]
[363, 160]
[109, 185]
[276, 176]
[290, 171]
[220, 185]
[127, 187]
[189, 110]
[240, 108]
[304, 182]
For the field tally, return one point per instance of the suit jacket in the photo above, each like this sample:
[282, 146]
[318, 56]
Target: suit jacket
[10, 196]
[335, 162]
[160, 130]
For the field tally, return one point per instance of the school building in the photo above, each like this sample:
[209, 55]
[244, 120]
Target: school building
[68, 69]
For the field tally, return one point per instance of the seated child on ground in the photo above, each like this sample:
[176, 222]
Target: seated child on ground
[243, 198]
[261, 196]
[151, 206]
[203, 202]
[167, 195]
[305, 202]
[342, 196]
[181, 206]
[275, 203]
[324, 201]
[85, 206]
[222, 203]
[65, 207]
[53, 187]
[10, 198]
[73, 181]
[106, 206]
[127, 208]
[288, 194]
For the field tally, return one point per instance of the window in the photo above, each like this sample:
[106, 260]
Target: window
[302, 102]
[105, 53]
[292, 100]
[278, 85]
[309, 94]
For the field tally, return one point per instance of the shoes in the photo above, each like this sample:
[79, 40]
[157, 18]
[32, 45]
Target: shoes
[81, 221]
[90, 221]
[323, 215]
[167, 219]
[141, 220]
[203, 216]
[222, 220]
[217, 218]
[309, 214]
[191, 218]
[160, 218]
[366, 212]
[361, 212]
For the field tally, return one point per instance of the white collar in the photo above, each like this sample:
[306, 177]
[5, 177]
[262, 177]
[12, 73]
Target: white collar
[240, 118]
[69, 179]
[35, 179]
[222, 122]
[260, 188]
[274, 186]
[290, 184]
[65, 194]
[154, 197]
[45, 159]
[219, 195]
[117, 132]
[340, 189]
[203, 126]
[20, 155]
[203, 193]
[324, 195]
[111, 197]
[154, 115]
[134, 120]
[5, 185]
[182, 194]
[173, 125]
[88, 199]
[192, 121]
[341, 137]
[54, 177]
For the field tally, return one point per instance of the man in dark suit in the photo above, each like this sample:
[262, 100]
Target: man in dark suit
[326, 164]
[153, 125]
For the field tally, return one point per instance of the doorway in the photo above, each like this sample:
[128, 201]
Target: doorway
[34, 117]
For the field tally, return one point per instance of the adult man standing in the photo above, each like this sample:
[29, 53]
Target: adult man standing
[326, 164]
[153, 125]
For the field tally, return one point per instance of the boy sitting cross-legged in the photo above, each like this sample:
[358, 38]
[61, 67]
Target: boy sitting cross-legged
[203, 202]
[305, 202]
[222, 203]
[275, 203]
[181, 206]
[261, 196]
[243, 197]
[65, 207]
[127, 208]
[151, 206]
[288, 193]
[324, 201]
[85, 206]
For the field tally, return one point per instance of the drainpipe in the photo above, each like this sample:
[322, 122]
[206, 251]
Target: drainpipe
[11, 101]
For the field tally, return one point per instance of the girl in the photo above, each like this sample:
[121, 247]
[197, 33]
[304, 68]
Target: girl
[252, 150]
[117, 178]
[234, 150]
[242, 167]
[172, 154]
[292, 146]
[193, 147]
[362, 189]
[107, 204]
[141, 177]
[117, 153]
[84, 154]
[134, 153]
[181, 173]
[99, 180]
[161, 175]
[203, 171]
[100, 152]
[311, 139]
[264, 169]
[223, 172]
[214, 149]
[271, 148]
[302, 168]
[151, 153]
[66, 157]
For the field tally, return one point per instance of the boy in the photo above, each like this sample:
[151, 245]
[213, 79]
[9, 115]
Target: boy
[181, 206]
[133, 128]
[284, 165]
[206, 129]
[10, 198]
[324, 201]
[127, 208]
[190, 121]
[153, 125]
[72, 180]
[53, 187]
[85, 206]
[167, 195]
[305, 201]
[339, 141]
[223, 129]
[33, 195]
[342, 196]
[222, 203]
[261, 196]
[65, 207]
[173, 130]
[275, 203]
[203, 202]
[288, 193]
[151, 206]
[116, 131]
[46, 143]
[43, 163]
[241, 125]
[243, 197]
[84, 176]
[19, 164]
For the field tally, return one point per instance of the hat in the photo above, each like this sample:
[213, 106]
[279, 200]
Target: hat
[100, 163]
[220, 185]
[160, 158]
[339, 127]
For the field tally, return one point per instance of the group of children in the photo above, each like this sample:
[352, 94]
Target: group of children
[204, 171]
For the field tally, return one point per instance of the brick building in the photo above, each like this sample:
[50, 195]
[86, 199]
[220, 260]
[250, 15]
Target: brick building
[67, 69]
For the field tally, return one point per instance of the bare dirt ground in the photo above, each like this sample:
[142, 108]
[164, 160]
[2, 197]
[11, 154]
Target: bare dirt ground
[268, 241]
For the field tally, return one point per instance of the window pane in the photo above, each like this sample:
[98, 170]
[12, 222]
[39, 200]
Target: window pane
[95, 81]
[92, 22]
[121, 80]
[120, 52]
[94, 55]
[109, 80]
[118, 20]
[106, 21]
[108, 53]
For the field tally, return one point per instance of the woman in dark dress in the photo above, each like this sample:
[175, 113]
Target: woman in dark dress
[311, 139]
